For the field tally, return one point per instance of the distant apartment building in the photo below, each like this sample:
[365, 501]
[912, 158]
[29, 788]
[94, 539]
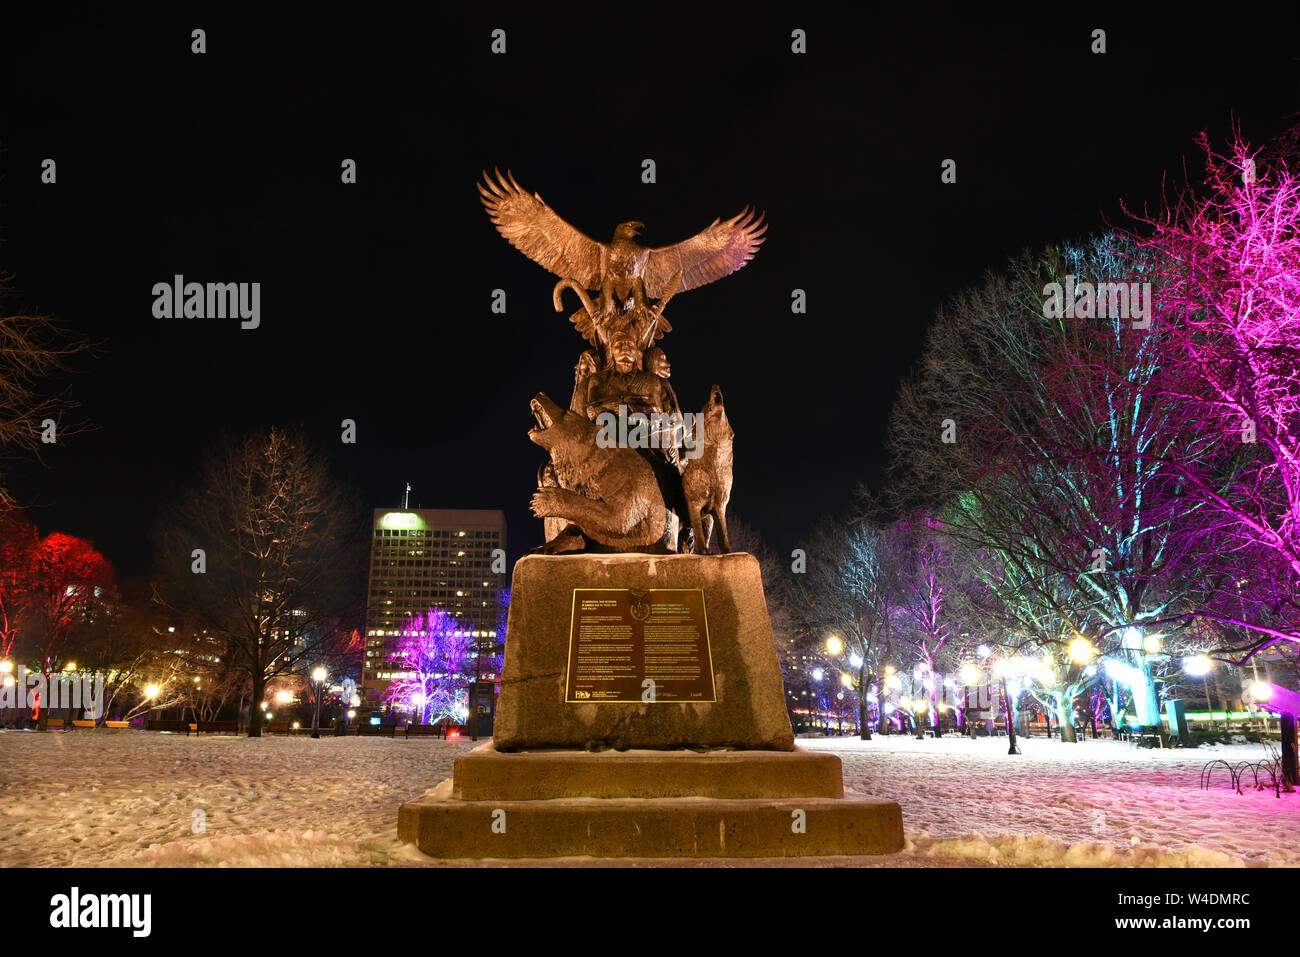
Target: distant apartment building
[422, 558]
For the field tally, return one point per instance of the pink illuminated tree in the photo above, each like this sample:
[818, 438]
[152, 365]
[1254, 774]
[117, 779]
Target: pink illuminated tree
[1228, 314]
[434, 658]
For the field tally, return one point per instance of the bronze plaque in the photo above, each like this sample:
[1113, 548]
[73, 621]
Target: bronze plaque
[621, 639]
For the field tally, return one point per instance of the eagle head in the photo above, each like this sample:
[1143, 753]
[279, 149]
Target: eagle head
[628, 230]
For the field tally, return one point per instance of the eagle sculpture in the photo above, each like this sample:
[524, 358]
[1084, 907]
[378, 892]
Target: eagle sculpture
[622, 268]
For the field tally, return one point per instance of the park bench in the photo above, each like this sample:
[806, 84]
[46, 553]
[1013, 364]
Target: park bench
[175, 726]
[277, 727]
[217, 727]
[381, 729]
[423, 730]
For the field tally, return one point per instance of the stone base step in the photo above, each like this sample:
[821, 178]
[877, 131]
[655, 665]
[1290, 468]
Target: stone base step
[486, 774]
[443, 826]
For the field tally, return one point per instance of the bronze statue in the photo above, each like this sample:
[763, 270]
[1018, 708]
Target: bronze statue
[611, 495]
[670, 468]
[706, 479]
[621, 266]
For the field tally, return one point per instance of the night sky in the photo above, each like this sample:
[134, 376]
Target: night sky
[225, 167]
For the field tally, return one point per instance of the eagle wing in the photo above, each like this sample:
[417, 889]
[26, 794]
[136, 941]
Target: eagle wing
[539, 233]
[715, 252]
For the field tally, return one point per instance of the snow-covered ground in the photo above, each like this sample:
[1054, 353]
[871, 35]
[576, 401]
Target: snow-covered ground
[1094, 804]
[90, 798]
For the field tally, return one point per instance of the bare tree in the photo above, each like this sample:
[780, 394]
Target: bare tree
[1040, 434]
[266, 558]
[851, 592]
[33, 349]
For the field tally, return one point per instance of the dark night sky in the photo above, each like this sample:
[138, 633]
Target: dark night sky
[375, 297]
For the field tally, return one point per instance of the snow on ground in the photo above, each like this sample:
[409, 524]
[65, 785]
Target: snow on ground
[1094, 803]
[129, 798]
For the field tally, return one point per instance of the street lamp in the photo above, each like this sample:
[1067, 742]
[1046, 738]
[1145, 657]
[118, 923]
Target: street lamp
[1198, 666]
[151, 693]
[319, 677]
[1081, 651]
[834, 645]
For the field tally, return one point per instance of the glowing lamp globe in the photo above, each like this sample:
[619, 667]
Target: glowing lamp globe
[6, 667]
[969, 675]
[318, 675]
[1151, 644]
[1196, 666]
[855, 660]
[846, 681]
[1081, 651]
[151, 691]
[818, 674]
[834, 645]
[1261, 691]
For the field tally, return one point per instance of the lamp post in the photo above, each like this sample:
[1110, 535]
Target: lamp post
[151, 693]
[319, 676]
[1002, 668]
[969, 675]
[1200, 665]
[6, 669]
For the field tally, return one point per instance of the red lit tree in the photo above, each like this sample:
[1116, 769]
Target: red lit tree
[69, 581]
[18, 541]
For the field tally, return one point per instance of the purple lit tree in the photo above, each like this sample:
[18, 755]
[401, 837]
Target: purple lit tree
[434, 660]
[1228, 309]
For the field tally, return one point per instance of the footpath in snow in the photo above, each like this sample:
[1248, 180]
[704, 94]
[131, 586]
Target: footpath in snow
[129, 798]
